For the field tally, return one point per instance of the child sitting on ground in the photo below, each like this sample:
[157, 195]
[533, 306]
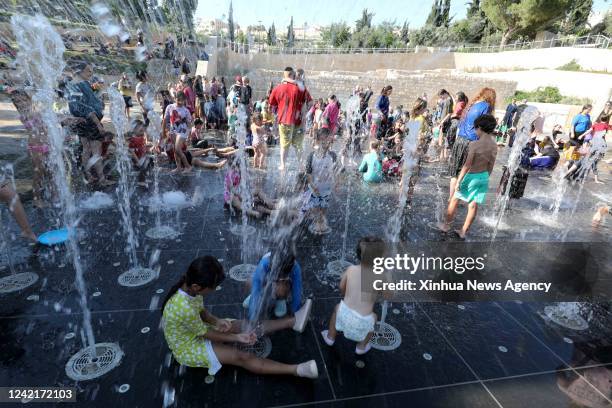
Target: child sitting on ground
[196, 131]
[197, 338]
[281, 270]
[139, 151]
[321, 167]
[354, 315]
[232, 196]
[371, 165]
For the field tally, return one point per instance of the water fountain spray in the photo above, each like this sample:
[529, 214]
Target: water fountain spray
[41, 57]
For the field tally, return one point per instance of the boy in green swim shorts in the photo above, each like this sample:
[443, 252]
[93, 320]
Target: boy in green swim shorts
[473, 180]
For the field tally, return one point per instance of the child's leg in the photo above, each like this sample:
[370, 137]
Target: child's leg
[96, 151]
[237, 204]
[8, 196]
[450, 214]
[331, 330]
[232, 356]
[469, 219]
[208, 165]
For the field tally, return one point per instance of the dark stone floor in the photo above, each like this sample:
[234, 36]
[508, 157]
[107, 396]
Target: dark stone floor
[480, 354]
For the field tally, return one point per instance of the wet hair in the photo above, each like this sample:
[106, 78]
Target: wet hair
[587, 106]
[442, 92]
[332, 97]
[374, 144]
[486, 123]
[322, 133]
[257, 116]
[198, 122]
[205, 271]
[288, 69]
[418, 106]
[181, 95]
[487, 95]
[461, 97]
[283, 260]
[363, 242]
[141, 75]
[604, 117]
[386, 89]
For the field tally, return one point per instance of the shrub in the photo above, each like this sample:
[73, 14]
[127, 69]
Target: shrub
[548, 94]
[573, 65]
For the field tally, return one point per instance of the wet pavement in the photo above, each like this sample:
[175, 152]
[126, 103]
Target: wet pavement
[479, 354]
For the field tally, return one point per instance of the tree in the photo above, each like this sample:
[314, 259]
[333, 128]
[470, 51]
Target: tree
[604, 27]
[365, 21]
[290, 34]
[405, 33]
[513, 17]
[474, 9]
[433, 19]
[445, 17]
[336, 34]
[271, 35]
[230, 23]
[576, 18]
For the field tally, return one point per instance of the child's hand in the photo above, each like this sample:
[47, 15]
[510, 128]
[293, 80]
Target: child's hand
[246, 338]
[223, 325]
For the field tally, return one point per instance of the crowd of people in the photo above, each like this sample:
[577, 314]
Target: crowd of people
[458, 131]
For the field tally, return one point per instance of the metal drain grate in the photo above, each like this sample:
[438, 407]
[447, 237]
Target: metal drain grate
[137, 277]
[242, 272]
[568, 318]
[262, 347]
[87, 364]
[18, 281]
[240, 230]
[385, 337]
[162, 232]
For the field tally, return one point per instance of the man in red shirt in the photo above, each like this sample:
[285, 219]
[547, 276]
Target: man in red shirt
[288, 100]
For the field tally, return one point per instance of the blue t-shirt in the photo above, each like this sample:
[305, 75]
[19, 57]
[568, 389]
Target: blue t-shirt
[382, 104]
[466, 126]
[581, 122]
[259, 281]
[371, 167]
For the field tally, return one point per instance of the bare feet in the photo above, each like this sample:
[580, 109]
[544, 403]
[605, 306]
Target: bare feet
[443, 227]
[460, 233]
[221, 164]
[187, 169]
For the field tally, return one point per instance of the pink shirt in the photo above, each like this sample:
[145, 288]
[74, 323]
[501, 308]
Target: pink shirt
[190, 96]
[331, 113]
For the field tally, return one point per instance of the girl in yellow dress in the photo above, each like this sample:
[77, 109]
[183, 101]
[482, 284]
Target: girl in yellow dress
[197, 338]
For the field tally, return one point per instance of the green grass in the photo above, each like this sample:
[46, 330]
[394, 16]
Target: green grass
[548, 94]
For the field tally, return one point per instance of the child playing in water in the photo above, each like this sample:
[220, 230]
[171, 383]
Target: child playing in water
[179, 118]
[354, 315]
[321, 167]
[38, 146]
[259, 141]
[600, 214]
[473, 180]
[371, 165]
[233, 199]
[197, 338]
[11, 199]
[139, 151]
[281, 270]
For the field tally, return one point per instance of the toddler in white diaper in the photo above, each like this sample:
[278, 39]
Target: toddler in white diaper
[354, 315]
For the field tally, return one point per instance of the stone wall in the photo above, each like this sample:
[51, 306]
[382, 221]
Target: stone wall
[407, 86]
[231, 63]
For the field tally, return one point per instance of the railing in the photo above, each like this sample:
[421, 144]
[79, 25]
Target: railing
[588, 41]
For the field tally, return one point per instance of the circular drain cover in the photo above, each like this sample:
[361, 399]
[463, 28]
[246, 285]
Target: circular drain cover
[87, 365]
[18, 281]
[261, 348]
[137, 277]
[123, 388]
[568, 319]
[162, 232]
[385, 337]
[242, 272]
[240, 230]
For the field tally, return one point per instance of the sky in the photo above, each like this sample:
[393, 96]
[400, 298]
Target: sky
[324, 12]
